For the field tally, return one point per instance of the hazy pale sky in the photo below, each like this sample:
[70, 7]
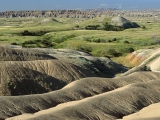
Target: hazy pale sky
[7, 5]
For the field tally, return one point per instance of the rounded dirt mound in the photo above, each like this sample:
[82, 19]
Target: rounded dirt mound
[17, 80]
[110, 98]
[39, 76]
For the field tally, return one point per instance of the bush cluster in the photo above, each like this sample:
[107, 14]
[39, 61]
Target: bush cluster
[109, 27]
[37, 33]
[84, 48]
[39, 43]
[112, 40]
[14, 43]
[92, 27]
[127, 50]
[99, 40]
[109, 52]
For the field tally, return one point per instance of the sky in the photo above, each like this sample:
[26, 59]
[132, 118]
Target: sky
[9, 5]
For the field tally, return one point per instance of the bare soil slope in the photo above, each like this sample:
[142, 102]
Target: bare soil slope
[147, 59]
[101, 66]
[71, 87]
[17, 80]
[137, 96]
[26, 71]
[15, 73]
[8, 54]
[107, 106]
[148, 113]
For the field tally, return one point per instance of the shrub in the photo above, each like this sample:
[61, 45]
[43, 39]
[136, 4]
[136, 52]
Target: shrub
[127, 50]
[109, 41]
[143, 27]
[85, 48]
[14, 43]
[114, 39]
[37, 33]
[92, 27]
[109, 52]
[27, 33]
[102, 41]
[147, 68]
[40, 43]
[87, 38]
[47, 43]
[127, 42]
[97, 40]
[29, 42]
[77, 26]
[109, 27]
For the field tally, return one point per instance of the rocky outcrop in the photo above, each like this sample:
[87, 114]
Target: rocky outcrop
[51, 13]
[91, 13]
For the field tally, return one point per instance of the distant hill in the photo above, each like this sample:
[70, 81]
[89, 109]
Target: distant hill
[89, 13]
[123, 22]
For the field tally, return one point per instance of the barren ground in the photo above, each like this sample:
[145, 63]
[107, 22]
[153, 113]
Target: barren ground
[38, 84]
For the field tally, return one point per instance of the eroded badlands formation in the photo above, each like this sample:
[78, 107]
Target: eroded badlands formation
[40, 84]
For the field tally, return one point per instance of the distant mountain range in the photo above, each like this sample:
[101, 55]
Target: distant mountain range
[89, 13]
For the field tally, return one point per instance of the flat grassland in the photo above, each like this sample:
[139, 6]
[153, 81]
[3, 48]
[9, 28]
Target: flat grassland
[71, 33]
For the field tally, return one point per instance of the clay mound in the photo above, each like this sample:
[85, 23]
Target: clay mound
[24, 77]
[77, 90]
[17, 80]
[54, 20]
[147, 59]
[122, 22]
[111, 105]
[154, 60]
[47, 20]
[137, 57]
[148, 113]
[101, 66]
[154, 65]
[61, 70]
[8, 54]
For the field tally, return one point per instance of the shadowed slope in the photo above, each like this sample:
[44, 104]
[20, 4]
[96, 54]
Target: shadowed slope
[61, 70]
[17, 80]
[8, 54]
[121, 21]
[24, 71]
[106, 106]
[101, 66]
[12, 106]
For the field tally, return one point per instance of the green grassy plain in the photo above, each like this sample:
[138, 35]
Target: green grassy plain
[64, 33]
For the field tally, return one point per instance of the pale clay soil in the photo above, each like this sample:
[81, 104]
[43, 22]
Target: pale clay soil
[76, 93]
